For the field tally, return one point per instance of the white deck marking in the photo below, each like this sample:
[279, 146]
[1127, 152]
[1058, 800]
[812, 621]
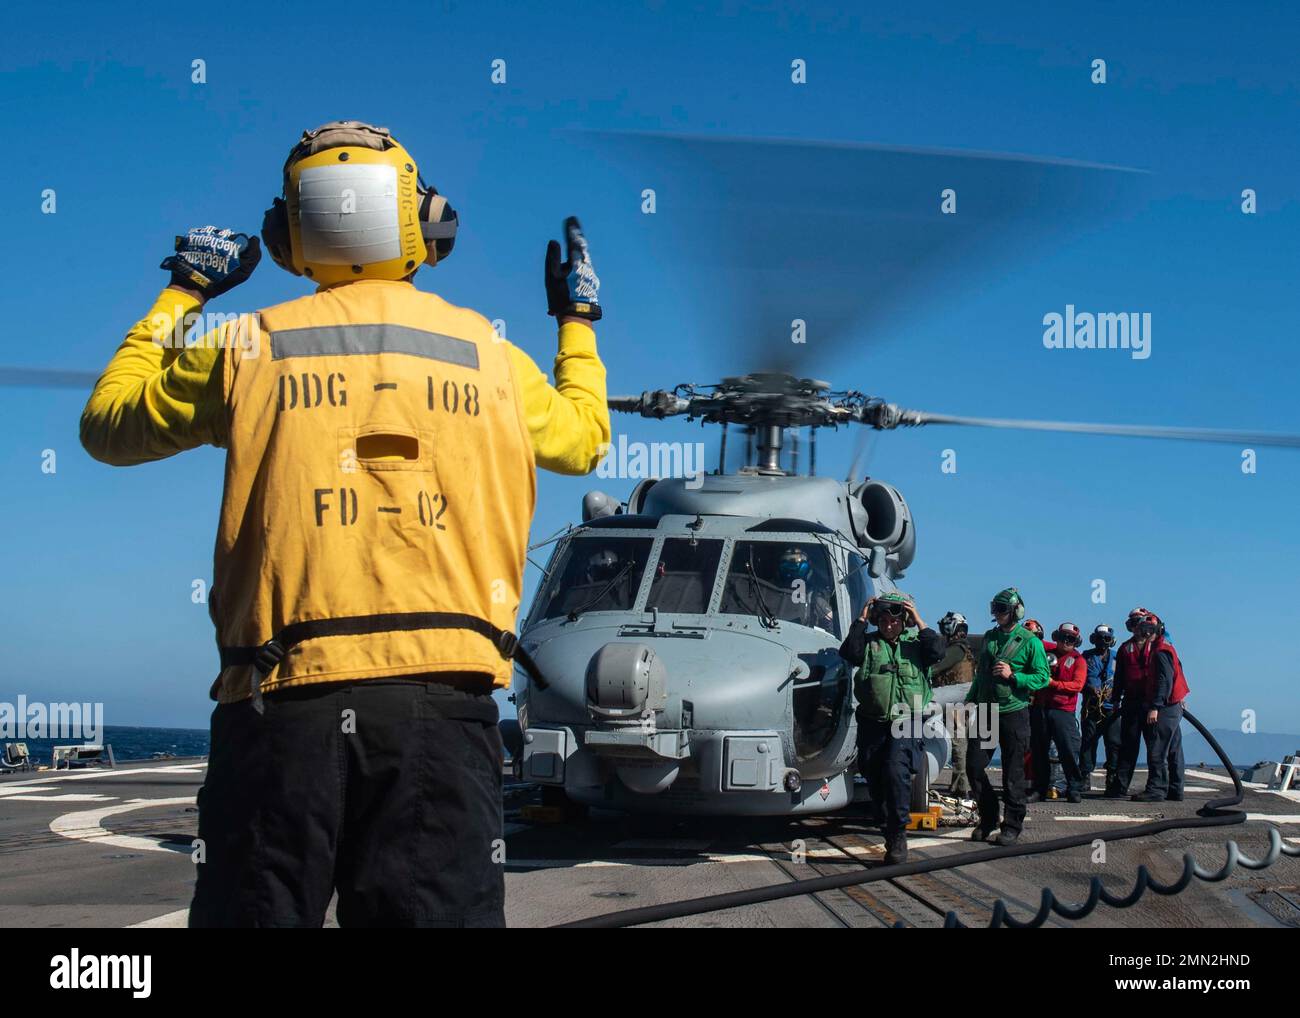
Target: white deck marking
[1221, 779]
[665, 844]
[69, 797]
[1258, 786]
[91, 773]
[86, 826]
[31, 793]
[169, 920]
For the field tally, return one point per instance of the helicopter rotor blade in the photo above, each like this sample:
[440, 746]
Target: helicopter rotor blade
[658, 403]
[804, 248]
[861, 455]
[909, 418]
[47, 378]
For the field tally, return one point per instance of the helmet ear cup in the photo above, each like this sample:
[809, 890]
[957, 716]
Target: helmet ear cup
[438, 223]
[1020, 610]
[275, 235]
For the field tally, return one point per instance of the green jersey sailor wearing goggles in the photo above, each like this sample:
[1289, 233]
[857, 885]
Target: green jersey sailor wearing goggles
[892, 684]
[1012, 665]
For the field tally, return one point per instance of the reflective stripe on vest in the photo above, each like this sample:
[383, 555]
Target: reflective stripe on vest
[379, 490]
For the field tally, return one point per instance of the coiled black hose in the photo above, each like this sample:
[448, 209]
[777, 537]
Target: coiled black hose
[1213, 814]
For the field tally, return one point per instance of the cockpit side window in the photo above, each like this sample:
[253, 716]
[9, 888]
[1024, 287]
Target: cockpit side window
[683, 576]
[859, 587]
[788, 582]
[596, 573]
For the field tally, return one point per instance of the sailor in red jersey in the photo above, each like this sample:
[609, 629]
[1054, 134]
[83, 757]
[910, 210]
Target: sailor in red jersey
[1052, 716]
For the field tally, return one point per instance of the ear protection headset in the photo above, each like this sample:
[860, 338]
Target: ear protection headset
[355, 207]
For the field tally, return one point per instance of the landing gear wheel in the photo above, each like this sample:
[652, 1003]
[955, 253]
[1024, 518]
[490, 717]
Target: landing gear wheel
[921, 790]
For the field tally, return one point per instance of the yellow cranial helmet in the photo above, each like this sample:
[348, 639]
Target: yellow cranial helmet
[354, 207]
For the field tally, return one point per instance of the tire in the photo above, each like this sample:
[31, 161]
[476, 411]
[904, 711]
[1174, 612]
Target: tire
[921, 790]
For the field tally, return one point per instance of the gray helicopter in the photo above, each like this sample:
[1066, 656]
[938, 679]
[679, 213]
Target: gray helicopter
[689, 636]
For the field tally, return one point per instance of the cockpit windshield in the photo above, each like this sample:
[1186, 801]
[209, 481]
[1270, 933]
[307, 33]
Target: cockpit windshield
[778, 581]
[597, 573]
[684, 574]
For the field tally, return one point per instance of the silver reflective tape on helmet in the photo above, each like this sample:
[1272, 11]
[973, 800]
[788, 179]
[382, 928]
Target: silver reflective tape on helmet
[348, 214]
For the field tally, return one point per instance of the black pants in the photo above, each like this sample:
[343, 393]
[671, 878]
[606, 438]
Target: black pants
[1132, 720]
[888, 764]
[387, 789]
[1104, 729]
[1164, 742]
[1013, 740]
[1048, 726]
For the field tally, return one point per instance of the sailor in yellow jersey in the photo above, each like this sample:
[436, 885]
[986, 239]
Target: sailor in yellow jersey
[379, 487]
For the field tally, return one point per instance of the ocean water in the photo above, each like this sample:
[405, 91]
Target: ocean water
[131, 743]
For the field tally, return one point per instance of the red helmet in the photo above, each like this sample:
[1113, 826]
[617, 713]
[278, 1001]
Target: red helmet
[1068, 630]
[1134, 617]
[1151, 622]
[1034, 626]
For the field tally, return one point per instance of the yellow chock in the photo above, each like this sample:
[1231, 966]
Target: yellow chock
[927, 821]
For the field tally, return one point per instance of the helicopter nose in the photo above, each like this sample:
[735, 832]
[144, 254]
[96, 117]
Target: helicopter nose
[626, 684]
[624, 680]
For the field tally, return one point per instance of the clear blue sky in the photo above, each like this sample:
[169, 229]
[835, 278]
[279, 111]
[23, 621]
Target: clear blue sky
[99, 105]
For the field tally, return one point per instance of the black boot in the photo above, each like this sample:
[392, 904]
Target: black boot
[981, 833]
[896, 853]
[1035, 796]
[1005, 837]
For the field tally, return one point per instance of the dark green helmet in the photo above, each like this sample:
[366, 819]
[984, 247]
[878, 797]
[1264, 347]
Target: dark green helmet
[893, 603]
[1009, 598]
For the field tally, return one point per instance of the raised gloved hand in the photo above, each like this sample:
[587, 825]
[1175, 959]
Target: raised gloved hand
[212, 261]
[572, 287]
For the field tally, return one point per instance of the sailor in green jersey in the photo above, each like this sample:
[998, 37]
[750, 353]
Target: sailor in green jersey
[1012, 665]
[892, 687]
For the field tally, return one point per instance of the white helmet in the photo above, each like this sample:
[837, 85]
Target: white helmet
[1103, 636]
[950, 623]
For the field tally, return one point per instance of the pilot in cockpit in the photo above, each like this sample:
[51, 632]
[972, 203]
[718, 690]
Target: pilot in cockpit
[603, 566]
[809, 597]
